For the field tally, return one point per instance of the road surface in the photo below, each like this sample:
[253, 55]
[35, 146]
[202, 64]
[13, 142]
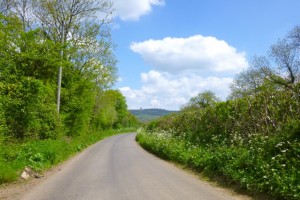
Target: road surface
[117, 168]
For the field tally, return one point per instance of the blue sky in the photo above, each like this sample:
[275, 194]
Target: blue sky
[171, 50]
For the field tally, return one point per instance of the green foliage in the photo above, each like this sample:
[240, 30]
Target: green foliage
[32, 132]
[77, 103]
[29, 63]
[131, 121]
[7, 174]
[111, 111]
[253, 141]
[28, 111]
[27, 93]
[202, 100]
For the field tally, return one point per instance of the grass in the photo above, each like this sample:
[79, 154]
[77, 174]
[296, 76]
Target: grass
[41, 155]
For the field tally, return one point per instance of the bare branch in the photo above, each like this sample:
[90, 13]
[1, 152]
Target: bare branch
[5, 6]
[285, 57]
[294, 35]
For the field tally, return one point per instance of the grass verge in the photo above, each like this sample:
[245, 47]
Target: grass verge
[240, 166]
[41, 155]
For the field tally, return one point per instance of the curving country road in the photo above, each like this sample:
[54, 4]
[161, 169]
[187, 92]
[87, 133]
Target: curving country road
[117, 168]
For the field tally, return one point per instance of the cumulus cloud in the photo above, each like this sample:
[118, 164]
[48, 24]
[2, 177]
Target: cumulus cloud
[198, 54]
[183, 68]
[134, 9]
[169, 91]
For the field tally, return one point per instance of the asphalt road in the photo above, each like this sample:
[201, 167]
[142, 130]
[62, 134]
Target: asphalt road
[117, 168]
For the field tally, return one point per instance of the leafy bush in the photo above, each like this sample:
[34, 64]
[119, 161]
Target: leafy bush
[28, 111]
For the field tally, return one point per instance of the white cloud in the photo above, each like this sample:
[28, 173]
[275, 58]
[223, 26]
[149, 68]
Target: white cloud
[165, 90]
[183, 68]
[204, 55]
[134, 9]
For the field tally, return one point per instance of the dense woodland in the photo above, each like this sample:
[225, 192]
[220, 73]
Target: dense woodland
[37, 39]
[253, 138]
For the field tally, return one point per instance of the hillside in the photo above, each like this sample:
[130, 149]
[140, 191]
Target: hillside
[145, 115]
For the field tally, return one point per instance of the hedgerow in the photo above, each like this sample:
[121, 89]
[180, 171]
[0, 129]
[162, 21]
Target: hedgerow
[253, 141]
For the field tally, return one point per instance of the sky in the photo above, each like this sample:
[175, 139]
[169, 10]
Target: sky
[171, 50]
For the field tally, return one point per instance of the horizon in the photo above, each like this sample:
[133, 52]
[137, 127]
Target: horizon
[153, 109]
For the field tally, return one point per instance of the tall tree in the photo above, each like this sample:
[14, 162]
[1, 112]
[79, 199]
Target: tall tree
[279, 70]
[74, 24]
[65, 18]
[287, 62]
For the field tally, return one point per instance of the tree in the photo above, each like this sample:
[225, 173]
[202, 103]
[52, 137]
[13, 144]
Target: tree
[249, 81]
[67, 35]
[5, 6]
[26, 88]
[280, 70]
[20, 8]
[73, 24]
[294, 36]
[62, 19]
[286, 58]
[111, 109]
[79, 27]
[202, 101]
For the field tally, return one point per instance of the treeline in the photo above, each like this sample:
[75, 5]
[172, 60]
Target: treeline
[146, 115]
[37, 39]
[253, 138]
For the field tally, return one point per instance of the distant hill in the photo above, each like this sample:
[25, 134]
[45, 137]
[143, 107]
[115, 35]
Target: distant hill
[145, 115]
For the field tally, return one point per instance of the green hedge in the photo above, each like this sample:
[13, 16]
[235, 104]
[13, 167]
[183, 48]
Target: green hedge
[254, 141]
